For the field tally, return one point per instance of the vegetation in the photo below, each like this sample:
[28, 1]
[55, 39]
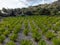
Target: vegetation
[36, 36]
[42, 9]
[50, 35]
[56, 41]
[6, 33]
[42, 42]
[2, 38]
[28, 30]
[26, 42]
[11, 43]
[13, 37]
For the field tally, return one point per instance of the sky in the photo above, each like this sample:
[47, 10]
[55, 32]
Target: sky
[21, 3]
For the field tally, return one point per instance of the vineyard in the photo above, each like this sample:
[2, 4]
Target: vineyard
[30, 30]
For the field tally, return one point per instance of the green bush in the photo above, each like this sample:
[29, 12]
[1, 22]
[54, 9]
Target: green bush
[41, 42]
[55, 29]
[2, 38]
[37, 36]
[13, 37]
[50, 35]
[34, 30]
[56, 41]
[16, 31]
[11, 43]
[6, 33]
[44, 30]
[26, 42]
[26, 31]
[1, 30]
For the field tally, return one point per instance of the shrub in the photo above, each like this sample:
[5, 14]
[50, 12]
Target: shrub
[6, 33]
[13, 37]
[16, 31]
[55, 29]
[2, 38]
[36, 35]
[44, 30]
[2, 30]
[50, 35]
[56, 41]
[26, 42]
[10, 29]
[11, 43]
[34, 30]
[26, 31]
[41, 42]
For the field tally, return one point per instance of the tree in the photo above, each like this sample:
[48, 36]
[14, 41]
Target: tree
[11, 12]
[4, 10]
[0, 13]
[44, 11]
[29, 13]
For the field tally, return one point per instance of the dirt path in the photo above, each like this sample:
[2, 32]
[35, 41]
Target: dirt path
[21, 35]
[34, 43]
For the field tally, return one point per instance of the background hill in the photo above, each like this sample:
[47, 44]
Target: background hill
[42, 9]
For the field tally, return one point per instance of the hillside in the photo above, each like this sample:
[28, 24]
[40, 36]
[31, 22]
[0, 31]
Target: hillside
[42, 9]
[57, 2]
